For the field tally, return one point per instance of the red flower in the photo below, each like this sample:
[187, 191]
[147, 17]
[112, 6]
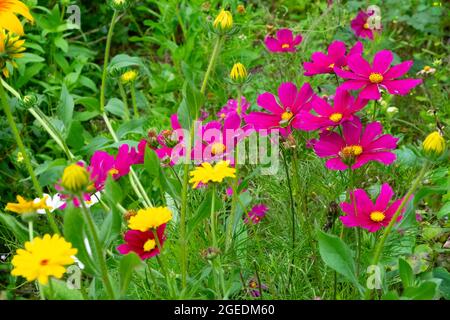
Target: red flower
[142, 243]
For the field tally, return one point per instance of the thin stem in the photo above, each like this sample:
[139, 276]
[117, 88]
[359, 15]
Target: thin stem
[212, 61]
[162, 265]
[123, 94]
[133, 101]
[30, 230]
[98, 248]
[387, 231]
[106, 61]
[15, 131]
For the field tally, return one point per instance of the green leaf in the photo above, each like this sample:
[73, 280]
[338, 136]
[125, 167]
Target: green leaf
[75, 137]
[65, 108]
[112, 225]
[391, 295]
[14, 226]
[128, 264]
[444, 287]
[426, 291]
[406, 273]
[116, 107]
[75, 233]
[338, 256]
[151, 163]
[189, 107]
[203, 211]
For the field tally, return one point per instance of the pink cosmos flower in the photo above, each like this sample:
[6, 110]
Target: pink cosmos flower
[171, 147]
[325, 63]
[343, 109]
[232, 107]
[371, 78]
[362, 212]
[285, 114]
[142, 243]
[256, 214]
[361, 26]
[356, 147]
[283, 42]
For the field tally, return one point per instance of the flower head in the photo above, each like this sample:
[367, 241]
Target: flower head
[256, 214]
[8, 18]
[426, 70]
[233, 107]
[27, 207]
[11, 48]
[362, 26]
[42, 258]
[223, 21]
[343, 109]
[356, 147]
[150, 218]
[371, 78]
[362, 212]
[434, 144]
[207, 173]
[325, 63]
[238, 72]
[75, 178]
[283, 114]
[128, 76]
[254, 287]
[283, 42]
[142, 243]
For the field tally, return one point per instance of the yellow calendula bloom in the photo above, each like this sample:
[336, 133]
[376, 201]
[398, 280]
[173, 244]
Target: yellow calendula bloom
[223, 21]
[128, 76]
[434, 143]
[238, 72]
[75, 179]
[150, 218]
[11, 47]
[206, 173]
[8, 18]
[43, 258]
[27, 207]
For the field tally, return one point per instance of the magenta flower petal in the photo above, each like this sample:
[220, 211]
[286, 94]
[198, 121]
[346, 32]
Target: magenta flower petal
[359, 66]
[385, 158]
[285, 36]
[373, 130]
[267, 101]
[401, 87]
[335, 164]
[382, 61]
[272, 44]
[287, 92]
[352, 131]
[385, 196]
[297, 40]
[329, 144]
[370, 92]
[352, 84]
[398, 70]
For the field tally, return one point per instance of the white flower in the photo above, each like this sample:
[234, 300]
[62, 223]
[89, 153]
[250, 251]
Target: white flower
[53, 203]
[392, 110]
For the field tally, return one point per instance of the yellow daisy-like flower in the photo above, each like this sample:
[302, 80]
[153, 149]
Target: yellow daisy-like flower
[128, 76]
[223, 21]
[8, 18]
[206, 173]
[75, 179]
[434, 143]
[43, 258]
[11, 47]
[150, 218]
[27, 207]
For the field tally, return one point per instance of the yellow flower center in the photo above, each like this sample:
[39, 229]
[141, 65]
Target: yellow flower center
[351, 151]
[375, 77]
[218, 148]
[377, 216]
[285, 46]
[223, 115]
[336, 117]
[113, 171]
[44, 262]
[426, 68]
[366, 26]
[149, 245]
[331, 66]
[253, 284]
[286, 116]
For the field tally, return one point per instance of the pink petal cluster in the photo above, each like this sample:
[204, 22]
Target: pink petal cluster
[362, 212]
[283, 42]
[372, 78]
[283, 115]
[356, 147]
[326, 116]
[135, 241]
[232, 107]
[336, 58]
[257, 213]
[361, 26]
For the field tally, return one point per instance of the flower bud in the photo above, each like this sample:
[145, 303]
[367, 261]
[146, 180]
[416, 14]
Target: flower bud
[434, 144]
[238, 73]
[119, 4]
[75, 179]
[223, 21]
[128, 76]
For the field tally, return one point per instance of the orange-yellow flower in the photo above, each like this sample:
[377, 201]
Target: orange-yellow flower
[207, 173]
[8, 18]
[11, 47]
[27, 207]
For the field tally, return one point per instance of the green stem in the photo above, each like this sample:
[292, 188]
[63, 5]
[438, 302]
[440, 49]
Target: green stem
[217, 265]
[387, 231]
[357, 230]
[106, 61]
[212, 61]
[30, 230]
[15, 131]
[133, 101]
[98, 248]
[162, 265]
[123, 94]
